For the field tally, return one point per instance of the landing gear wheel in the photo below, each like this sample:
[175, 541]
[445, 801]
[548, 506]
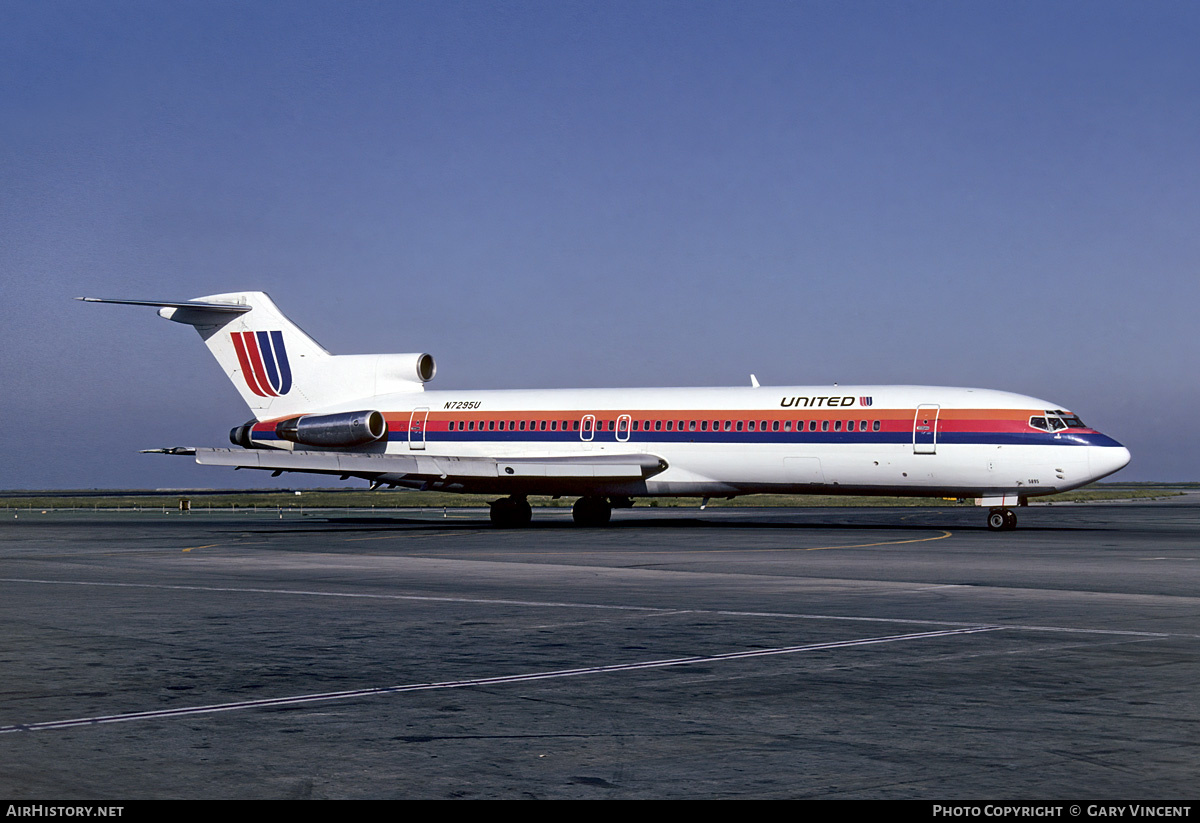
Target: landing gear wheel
[1001, 520]
[591, 511]
[511, 513]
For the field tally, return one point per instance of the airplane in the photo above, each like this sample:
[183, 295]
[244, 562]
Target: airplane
[370, 417]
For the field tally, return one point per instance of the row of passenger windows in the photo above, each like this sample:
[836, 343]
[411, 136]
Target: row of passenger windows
[514, 425]
[624, 425]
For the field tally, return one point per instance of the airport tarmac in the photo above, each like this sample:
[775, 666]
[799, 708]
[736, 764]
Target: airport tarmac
[732, 653]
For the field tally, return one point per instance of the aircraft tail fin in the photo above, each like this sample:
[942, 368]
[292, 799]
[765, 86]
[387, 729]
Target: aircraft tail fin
[277, 368]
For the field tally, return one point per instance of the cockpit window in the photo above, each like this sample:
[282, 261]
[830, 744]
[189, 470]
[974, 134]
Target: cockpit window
[1056, 420]
[1072, 420]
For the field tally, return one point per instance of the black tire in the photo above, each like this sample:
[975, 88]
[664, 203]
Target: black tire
[522, 514]
[499, 514]
[510, 513]
[591, 511]
[996, 521]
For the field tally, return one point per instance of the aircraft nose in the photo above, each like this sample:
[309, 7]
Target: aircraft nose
[1104, 460]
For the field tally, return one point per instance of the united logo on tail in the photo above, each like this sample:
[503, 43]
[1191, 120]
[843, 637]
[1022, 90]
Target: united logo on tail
[264, 362]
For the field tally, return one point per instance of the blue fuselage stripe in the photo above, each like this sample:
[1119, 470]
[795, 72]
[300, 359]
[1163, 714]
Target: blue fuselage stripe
[761, 438]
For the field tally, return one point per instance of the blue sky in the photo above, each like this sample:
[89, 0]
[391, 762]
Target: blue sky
[559, 194]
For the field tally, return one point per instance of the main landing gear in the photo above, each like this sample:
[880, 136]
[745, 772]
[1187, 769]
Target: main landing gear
[591, 511]
[511, 513]
[1001, 520]
[515, 512]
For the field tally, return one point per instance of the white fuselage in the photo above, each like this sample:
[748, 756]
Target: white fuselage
[902, 440]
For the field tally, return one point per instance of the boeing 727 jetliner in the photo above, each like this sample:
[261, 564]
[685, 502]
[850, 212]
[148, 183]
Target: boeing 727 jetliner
[369, 416]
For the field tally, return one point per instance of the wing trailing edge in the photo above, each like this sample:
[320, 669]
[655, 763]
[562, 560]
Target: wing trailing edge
[485, 474]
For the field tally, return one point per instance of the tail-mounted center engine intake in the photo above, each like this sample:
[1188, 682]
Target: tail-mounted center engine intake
[348, 429]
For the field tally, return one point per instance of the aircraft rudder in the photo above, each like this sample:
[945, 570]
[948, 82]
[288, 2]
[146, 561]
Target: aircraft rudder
[263, 353]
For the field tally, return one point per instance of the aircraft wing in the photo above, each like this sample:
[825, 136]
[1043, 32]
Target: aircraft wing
[504, 475]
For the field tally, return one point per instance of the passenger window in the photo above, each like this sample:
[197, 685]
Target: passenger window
[691, 425]
[812, 425]
[740, 425]
[750, 426]
[824, 425]
[875, 426]
[658, 425]
[849, 425]
[837, 425]
[728, 425]
[774, 425]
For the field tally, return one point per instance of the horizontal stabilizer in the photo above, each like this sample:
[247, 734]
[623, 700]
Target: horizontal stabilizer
[224, 308]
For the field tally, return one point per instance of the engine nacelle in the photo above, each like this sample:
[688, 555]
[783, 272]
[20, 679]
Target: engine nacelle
[376, 374]
[241, 435]
[347, 429]
[423, 366]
